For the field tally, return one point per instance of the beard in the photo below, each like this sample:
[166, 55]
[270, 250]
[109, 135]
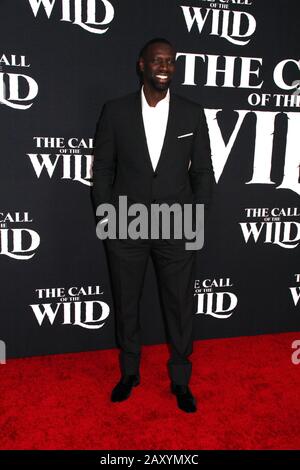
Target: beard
[160, 86]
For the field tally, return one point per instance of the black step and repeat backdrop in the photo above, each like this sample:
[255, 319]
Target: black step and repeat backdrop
[60, 60]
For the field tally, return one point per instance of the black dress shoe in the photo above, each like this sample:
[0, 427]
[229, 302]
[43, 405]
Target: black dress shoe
[123, 388]
[185, 399]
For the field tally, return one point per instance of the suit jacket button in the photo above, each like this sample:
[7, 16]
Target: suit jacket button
[155, 174]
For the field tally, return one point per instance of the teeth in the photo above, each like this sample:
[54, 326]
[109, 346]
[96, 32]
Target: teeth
[162, 76]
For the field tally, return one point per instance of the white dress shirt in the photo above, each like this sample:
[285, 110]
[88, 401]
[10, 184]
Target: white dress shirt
[155, 123]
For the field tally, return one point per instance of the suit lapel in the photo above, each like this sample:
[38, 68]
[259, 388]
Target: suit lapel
[169, 131]
[141, 134]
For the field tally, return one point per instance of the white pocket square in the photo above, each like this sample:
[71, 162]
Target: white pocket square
[185, 135]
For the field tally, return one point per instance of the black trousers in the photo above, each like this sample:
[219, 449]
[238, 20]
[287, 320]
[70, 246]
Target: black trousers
[174, 268]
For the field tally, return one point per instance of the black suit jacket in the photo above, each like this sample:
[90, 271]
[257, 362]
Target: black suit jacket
[122, 164]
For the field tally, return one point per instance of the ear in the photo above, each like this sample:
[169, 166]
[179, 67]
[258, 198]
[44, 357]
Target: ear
[141, 64]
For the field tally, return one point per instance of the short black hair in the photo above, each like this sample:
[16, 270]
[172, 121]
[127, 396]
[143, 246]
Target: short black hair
[144, 49]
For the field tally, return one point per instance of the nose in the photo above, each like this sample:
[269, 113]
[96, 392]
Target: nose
[164, 66]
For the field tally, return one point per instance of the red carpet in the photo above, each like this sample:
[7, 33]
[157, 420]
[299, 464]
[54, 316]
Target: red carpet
[247, 390]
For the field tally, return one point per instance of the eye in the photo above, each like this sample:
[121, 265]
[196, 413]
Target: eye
[158, 60]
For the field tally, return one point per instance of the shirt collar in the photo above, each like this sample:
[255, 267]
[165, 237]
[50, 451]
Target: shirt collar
[164, 101]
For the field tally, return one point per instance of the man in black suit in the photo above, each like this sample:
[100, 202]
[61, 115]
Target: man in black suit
[153, 147]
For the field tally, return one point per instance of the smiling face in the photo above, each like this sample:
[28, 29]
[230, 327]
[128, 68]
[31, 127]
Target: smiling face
[158, 66]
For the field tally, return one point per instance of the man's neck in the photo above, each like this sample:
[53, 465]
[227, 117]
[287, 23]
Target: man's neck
[153, 96]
